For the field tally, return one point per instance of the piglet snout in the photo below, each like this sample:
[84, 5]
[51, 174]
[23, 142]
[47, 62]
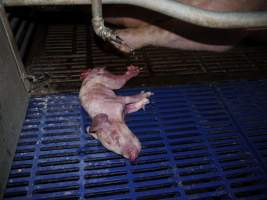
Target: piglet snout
[131, 153]
[131, 150]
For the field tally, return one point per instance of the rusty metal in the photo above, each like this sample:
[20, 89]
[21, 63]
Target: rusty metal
[104, 32]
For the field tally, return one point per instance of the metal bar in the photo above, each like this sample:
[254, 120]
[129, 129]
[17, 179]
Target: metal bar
[174, 9]
[14, 48]
[14, 24]
[97, 8]
[44, 2]
[98, 21]
[99, 27]
[13, 100]
[20, 33]
[26, 40]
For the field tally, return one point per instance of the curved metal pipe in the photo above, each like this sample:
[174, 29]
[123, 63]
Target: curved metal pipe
[101, 30]
[98, 22]
[174, 9]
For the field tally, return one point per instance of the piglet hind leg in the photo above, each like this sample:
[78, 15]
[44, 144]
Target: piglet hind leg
[136, 102]
[133, 107]
[132, 71]
[135, 98]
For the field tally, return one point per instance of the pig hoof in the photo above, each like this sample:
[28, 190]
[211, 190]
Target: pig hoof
[133, 70]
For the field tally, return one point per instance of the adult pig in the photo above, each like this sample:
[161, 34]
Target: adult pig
[144, 28]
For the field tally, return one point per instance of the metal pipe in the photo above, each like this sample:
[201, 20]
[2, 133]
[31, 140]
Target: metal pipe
[44, 2]
[104, 32]
[174, 9]
[98, 22]
[97, 8]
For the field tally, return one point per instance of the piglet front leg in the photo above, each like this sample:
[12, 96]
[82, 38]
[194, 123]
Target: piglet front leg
[118, 81]
[132, 71]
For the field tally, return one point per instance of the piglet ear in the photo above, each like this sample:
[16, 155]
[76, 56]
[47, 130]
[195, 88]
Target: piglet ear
[99, 122]
[84, 73]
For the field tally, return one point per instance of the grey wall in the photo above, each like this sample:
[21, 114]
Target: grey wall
[13, 100]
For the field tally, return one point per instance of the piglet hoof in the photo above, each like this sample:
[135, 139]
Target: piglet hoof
[133, 70]
[145, 101]
[147, 94]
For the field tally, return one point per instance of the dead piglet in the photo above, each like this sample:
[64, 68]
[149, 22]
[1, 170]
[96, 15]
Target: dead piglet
[107, 110]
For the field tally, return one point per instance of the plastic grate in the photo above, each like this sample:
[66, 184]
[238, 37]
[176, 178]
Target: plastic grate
[199, 142]
[247, 102]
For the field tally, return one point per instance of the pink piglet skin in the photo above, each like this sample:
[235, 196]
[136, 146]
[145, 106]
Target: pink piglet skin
[107, 110]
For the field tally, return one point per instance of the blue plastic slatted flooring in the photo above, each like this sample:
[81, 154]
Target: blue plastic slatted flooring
[199, 142]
